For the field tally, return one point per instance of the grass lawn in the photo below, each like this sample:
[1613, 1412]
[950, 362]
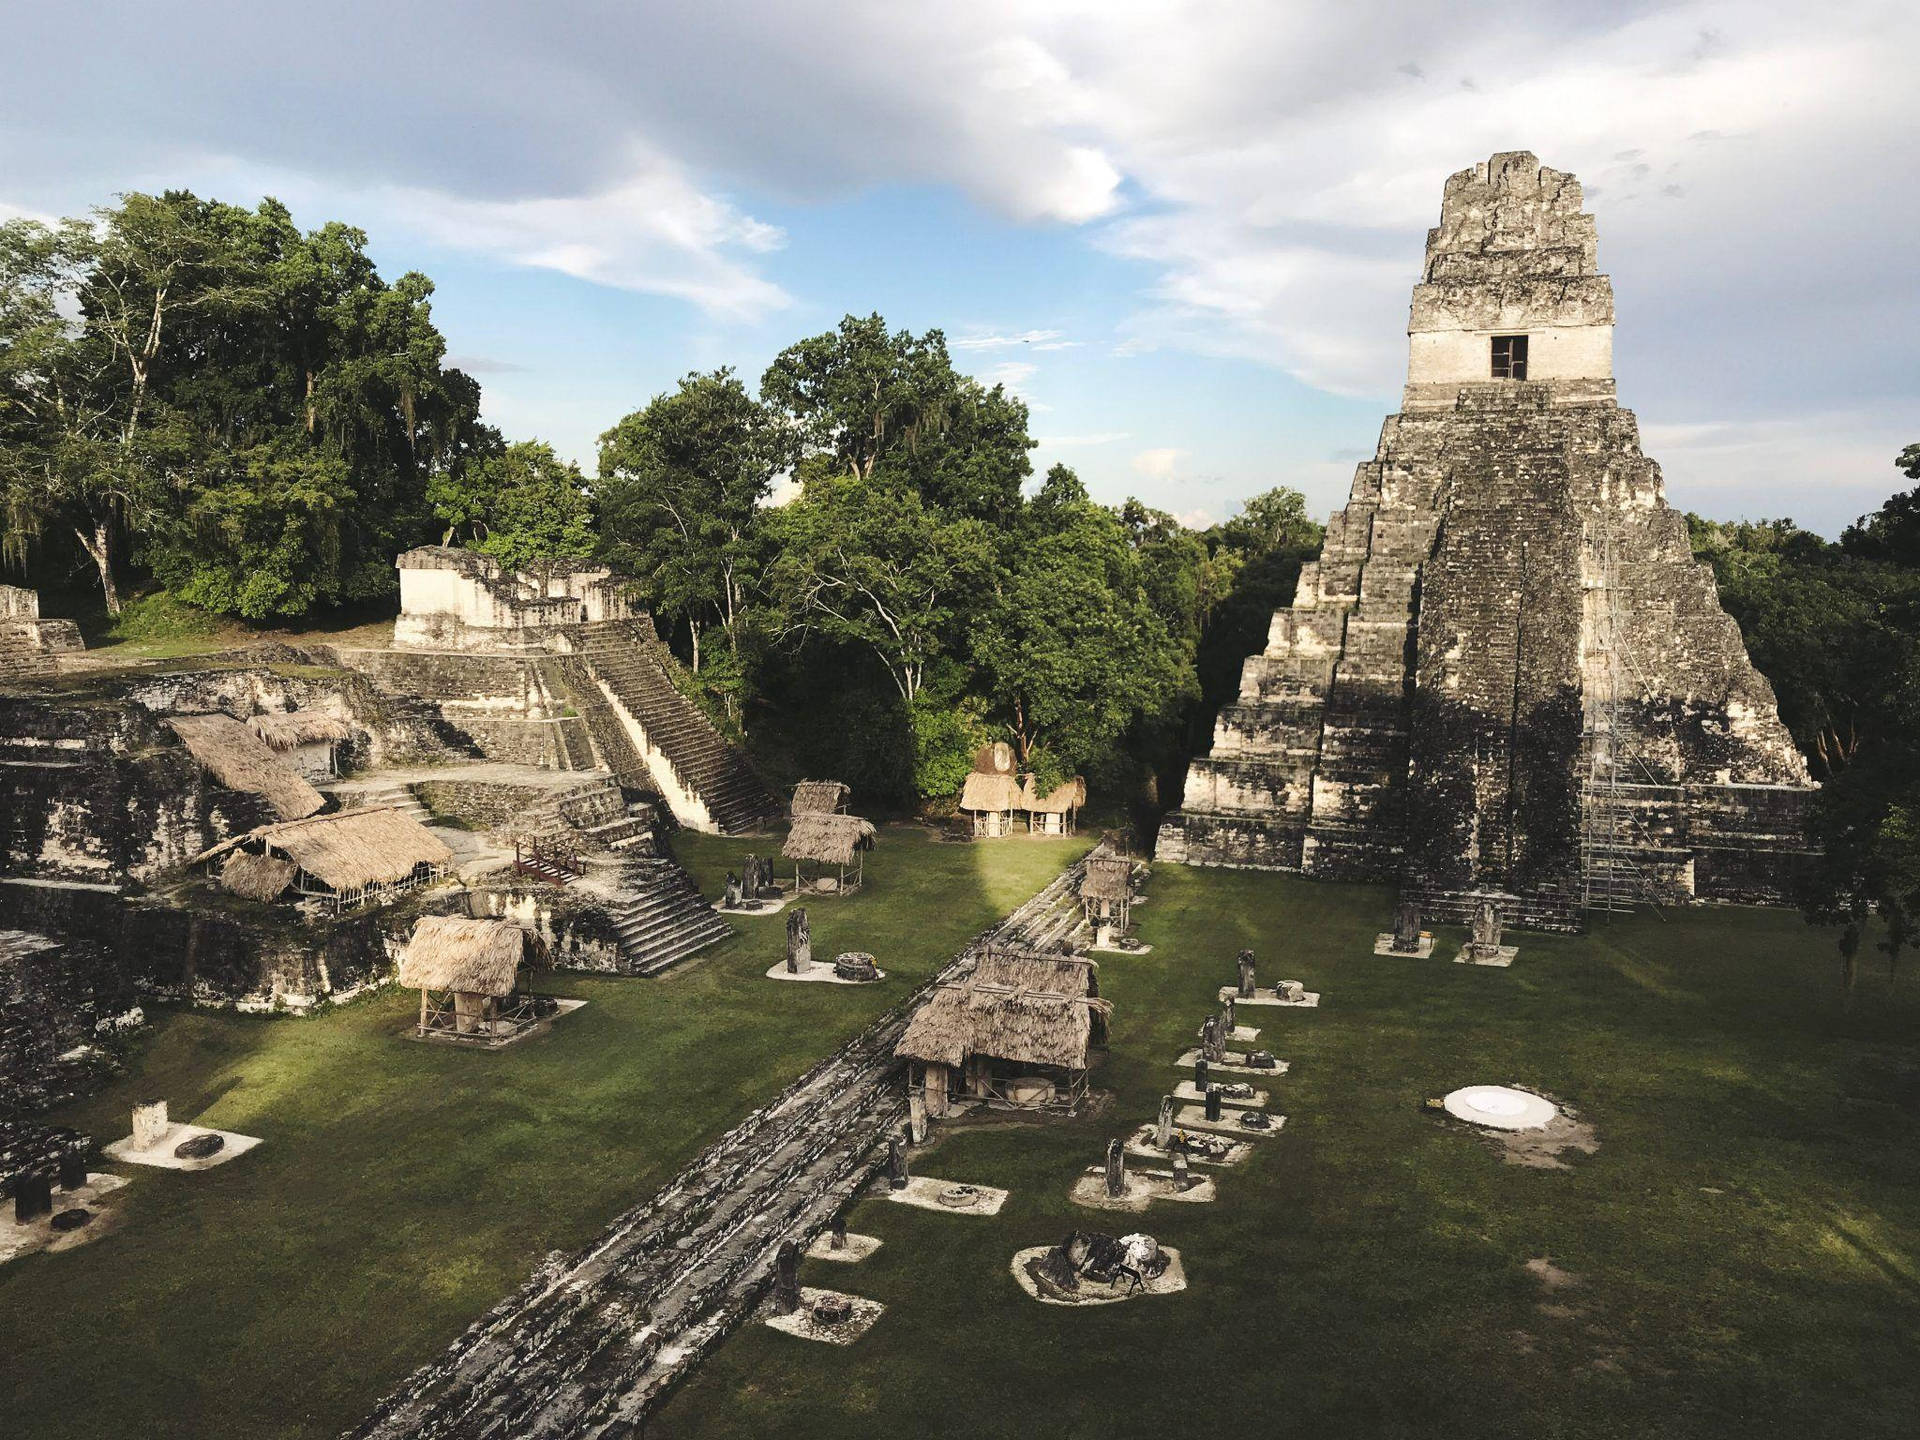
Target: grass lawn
[404, 1188]
[1746, 1239]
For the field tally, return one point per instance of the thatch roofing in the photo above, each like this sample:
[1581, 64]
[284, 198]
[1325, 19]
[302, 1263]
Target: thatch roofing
[299, 727]
[1108, 877]
[257, 877]
[1071, 795]
[987, 791]
[1019, 1006]
[350, 849]
[818, 797]
[470, 957]
[829, 839]
[238, 759]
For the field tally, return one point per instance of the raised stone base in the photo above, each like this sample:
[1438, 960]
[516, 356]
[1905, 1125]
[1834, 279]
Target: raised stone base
[39, 1234]
[924, 1193]
[858, 1248]
[1167, 1282]
[816, 972]
[1499, 959]
[1143, 1188]
[802, 1324]
[1383, 945]
[1231, 1153]
[1193, 1117]
[1236, 1063]
[160, 1155]
[1307, 1001]
[1187, 1090]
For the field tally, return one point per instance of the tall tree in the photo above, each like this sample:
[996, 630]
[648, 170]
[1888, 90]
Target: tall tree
[681, 485]
[1073, 650]
[888, 407]
[521, 504]
[877, 568]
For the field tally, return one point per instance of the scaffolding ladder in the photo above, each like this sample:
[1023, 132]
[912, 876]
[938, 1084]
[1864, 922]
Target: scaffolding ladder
[1612, 877]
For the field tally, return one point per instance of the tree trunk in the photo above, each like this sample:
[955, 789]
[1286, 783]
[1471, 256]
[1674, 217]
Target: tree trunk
[693, 628]
[99, 548]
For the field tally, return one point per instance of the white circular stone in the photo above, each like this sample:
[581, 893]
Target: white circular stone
[1500, 1107]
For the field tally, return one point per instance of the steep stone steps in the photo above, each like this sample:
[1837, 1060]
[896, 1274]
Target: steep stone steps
[660, 917]
[629, 660]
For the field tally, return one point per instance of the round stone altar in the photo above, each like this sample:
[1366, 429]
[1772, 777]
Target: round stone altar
[1500, 1107]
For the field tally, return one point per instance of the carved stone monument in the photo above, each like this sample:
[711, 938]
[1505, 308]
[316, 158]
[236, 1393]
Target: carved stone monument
[732, 897]
[1200, 1069]
[897, 1175]
[1116, 1170]
[1406, 928]
[837, 1233]
[799, 941]
[1213, 1102]
[917, 1115]
[150, 1124]
[786, 1278]
[1163, 1126]
[1245, 964]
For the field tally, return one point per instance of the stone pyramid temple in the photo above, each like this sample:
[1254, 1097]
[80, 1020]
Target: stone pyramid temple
[1506, 674]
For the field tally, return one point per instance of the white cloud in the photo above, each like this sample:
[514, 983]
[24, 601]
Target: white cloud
[656, 233]
[1010, 373]
[1195, 519]
[1035, 339]
[1159, 464]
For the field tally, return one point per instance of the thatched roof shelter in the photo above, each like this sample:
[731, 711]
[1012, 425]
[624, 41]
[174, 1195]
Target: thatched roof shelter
[350, 850]
[257, 877]
[828, 839]
[467, 957]
[1108, 877]
[299, 727]
[990, 791]
[818, 797]
[1018, 1006]
[1072, 795]
[238, 759]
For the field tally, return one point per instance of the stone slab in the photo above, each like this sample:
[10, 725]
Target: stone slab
[1143, 1188]
[802, 1324]
[1168, 1282]
[1142, 1145]
[1235, 1064]
[1499, 960]
[817, 972]
[161, 1156]
[923, 1192]
[859, 1247]
[1193, 1117]
[1501, 1107]
[38, 1235]
[1122, 949]
[1187, 1090]
[1309, 1001]
[740, 912]
[1383, 945]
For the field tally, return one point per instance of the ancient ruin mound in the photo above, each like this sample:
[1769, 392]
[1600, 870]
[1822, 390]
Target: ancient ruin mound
[1506, 672]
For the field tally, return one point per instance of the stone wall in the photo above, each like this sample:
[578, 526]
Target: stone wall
[63, 1006]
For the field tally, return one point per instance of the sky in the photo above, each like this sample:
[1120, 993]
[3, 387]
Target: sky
[1184, 233]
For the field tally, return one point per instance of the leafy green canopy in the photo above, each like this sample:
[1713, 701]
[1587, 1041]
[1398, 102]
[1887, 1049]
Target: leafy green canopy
[520, 505]
[251, 407]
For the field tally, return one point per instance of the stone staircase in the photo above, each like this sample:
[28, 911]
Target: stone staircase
[628, 660]
[660, 916]
[398, 796]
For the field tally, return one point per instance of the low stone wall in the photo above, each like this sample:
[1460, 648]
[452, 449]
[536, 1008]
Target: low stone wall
[63, 1006]
[199, 946]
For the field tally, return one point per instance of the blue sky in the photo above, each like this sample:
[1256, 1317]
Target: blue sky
[1184, 232]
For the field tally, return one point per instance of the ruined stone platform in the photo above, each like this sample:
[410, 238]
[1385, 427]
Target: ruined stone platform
[801, 1324]
[1383, 945]
[1144, 1188]
[1170, 1281]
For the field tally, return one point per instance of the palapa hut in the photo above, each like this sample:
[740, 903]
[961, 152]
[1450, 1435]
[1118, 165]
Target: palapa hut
[992, 792]
[819, 797]
[466, 972]
[1015, 1034]
[354, 857]
[1055, 812]
[818, 844]
[306, 739]
[240, 760]
[1106, 895]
